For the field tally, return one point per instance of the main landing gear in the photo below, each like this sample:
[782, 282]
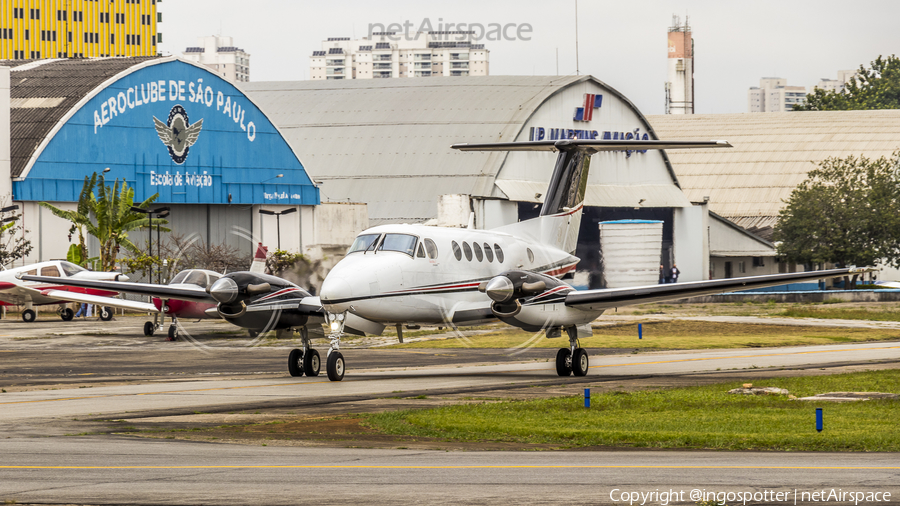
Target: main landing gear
[574, 359]
[65, 313]
[306, 360]
[158, 323]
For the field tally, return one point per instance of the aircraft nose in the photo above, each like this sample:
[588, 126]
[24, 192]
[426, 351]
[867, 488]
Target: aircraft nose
[334, 290]
[224, 290]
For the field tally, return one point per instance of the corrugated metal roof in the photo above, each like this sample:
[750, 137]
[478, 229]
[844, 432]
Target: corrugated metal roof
[772, 154]
[603, 195]
[43, 91]
[384, 141]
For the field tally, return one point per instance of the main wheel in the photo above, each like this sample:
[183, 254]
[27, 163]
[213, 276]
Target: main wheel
[295, 362]
[312, 364]
[580, 362]
[563, 365]
[173, 332]
[335, 366]
[106, 314]
[29, 316]
[149, 328]
[67, 314]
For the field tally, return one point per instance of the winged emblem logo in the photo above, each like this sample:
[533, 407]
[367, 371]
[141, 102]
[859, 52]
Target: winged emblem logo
[177, 133]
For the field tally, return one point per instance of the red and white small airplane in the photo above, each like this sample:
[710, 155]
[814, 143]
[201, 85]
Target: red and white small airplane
[185, 296]
[54, 290]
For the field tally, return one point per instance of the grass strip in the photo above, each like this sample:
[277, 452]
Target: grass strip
[705, 417]
[841, 314]
[678, 334]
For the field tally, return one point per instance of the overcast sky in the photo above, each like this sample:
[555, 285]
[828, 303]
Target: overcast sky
[621, 43]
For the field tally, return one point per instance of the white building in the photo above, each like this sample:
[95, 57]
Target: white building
[680, 80]
[836, 85]
[222, 57]
[391, 54]
[774, 95]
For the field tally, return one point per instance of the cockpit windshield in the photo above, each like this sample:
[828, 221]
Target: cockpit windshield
[363, 243]
[179, 278]
[71, 269]
[194, 277]
[399, 242]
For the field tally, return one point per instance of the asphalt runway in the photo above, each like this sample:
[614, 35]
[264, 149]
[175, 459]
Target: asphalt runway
[114, 471]
[57, 380]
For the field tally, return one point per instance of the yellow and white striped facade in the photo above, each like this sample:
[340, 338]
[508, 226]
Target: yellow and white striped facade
[32, 29]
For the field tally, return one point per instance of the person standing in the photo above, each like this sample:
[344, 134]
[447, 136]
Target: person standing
[675, 273]
[662, 274]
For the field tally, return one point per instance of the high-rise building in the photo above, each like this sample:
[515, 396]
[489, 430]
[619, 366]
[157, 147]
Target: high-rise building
[680, 81]
[221, 56]
[391, 54]
[34, 29]
[836, 85]
[774, 95]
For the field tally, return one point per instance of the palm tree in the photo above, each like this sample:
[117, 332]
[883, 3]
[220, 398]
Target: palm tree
[108, 217]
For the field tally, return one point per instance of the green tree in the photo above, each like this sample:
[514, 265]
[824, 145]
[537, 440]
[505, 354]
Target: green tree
[13, 244]
[846, 212]
[877, 87]
[106, 216]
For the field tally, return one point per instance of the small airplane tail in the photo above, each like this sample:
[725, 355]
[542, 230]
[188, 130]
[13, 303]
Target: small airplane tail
[560, 218]
[258, 265]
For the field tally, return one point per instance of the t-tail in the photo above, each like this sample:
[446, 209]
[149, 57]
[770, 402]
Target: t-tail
[560, 218]
[258, 265]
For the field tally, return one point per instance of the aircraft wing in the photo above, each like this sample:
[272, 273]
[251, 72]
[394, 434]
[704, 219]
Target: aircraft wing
[17, 294]
[162, 291]
[617, 297]
[100, 300]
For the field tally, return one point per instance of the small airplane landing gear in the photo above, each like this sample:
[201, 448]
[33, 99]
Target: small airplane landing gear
[29, 315]
[173, 332]
[295, 363]
[66, 314]
[149, 329]
[106, 314]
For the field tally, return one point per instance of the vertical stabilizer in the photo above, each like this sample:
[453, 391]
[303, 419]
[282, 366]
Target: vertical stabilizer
[560, 217]
[258, 264]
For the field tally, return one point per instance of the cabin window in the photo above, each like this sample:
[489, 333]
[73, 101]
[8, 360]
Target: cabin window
[71, 269]
[478, 254]
[488, 253]
[431, 248]
[179, 278]
[32, 272]
[363, 243]
[421, 253]
[50, 270]
[399, 242]
[456, 251]
[530, 255]
[498, 252]
[467, 250]
[213, 277]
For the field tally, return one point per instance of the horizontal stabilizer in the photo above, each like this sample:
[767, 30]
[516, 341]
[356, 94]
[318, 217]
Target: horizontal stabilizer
[616, 297]
[589, 145]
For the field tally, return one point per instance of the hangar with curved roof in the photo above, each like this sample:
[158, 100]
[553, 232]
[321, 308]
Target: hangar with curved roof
[165, 126]
[387, 143]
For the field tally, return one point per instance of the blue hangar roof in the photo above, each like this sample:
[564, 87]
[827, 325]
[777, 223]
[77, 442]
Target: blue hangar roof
[165, 125]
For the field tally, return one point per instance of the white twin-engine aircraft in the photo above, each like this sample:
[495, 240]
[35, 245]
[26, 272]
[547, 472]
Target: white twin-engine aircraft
[418, 274]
